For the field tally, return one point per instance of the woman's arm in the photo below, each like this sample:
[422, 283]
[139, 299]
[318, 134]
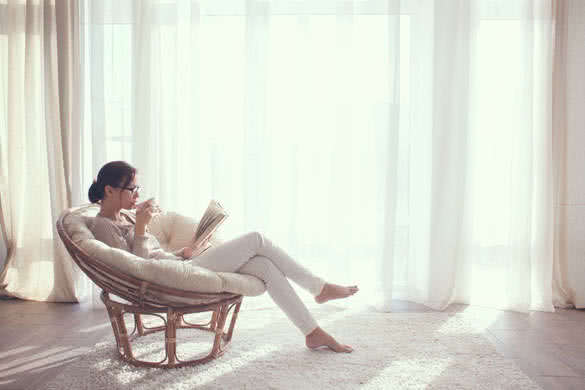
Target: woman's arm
[140, 245]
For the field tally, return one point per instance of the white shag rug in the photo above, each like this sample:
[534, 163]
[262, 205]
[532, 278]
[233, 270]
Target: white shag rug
[392, 351]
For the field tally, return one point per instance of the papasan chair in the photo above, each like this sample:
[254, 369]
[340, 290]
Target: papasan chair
[167, 289]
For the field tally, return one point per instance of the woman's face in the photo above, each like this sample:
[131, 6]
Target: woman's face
[130, 195]
[125, 198]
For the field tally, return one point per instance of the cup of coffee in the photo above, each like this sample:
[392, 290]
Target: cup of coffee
[150, 202]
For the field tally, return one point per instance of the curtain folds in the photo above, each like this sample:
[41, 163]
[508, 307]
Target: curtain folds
[568, 121]
[38, 49]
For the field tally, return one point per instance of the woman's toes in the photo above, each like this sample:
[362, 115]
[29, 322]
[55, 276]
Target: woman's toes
[319, 338]
[343, 348]
[334, 291]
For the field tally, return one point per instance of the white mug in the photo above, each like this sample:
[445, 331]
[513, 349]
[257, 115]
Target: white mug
[152, 201]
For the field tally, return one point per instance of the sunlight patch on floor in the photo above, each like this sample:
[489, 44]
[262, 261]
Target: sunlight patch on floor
[15, 351]
[94, 328]
[477, 321]
[223, 367]
[420, 371]
[41, 359]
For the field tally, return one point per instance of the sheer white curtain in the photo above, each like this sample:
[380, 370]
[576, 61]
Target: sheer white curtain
[401, 145]
[38, 122]
[568, 122]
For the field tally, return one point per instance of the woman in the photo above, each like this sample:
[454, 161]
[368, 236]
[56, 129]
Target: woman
[115, 188]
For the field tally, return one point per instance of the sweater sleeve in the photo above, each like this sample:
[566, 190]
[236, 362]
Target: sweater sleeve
[162, 254]
[140, 246]
[147, 246]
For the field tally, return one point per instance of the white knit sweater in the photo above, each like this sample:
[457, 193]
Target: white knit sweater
[122, 236]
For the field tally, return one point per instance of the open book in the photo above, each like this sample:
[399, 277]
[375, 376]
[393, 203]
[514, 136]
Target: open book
[210, 221]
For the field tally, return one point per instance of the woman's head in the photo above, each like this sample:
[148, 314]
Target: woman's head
[115, 184]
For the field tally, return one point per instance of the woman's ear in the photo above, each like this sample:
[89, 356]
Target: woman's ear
[108, 190]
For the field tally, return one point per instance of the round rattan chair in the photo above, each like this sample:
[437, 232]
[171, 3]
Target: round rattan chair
[149, 298]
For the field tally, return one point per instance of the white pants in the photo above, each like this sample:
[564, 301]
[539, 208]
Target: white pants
[256, 255]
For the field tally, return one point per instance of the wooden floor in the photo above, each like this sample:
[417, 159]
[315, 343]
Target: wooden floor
[38, 340]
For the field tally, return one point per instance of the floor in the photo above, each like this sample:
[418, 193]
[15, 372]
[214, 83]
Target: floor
[38, 340]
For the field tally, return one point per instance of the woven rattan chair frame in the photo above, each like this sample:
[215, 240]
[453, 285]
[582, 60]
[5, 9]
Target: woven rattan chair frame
[153, 299]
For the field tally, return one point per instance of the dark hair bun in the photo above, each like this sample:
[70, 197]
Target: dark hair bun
[95, 192]
[116, 174]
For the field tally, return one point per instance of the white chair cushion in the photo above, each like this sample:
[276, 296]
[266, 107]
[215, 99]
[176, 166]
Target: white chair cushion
[173, 231]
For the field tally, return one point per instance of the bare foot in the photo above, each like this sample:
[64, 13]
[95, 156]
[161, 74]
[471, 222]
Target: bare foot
[335, 291]
[319, 338]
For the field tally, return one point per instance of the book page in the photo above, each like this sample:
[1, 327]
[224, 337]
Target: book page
[213, 216]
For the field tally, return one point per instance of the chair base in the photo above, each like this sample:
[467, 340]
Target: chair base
[174, 320]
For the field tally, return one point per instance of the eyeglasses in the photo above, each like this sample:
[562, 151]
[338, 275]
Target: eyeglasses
[134, 190]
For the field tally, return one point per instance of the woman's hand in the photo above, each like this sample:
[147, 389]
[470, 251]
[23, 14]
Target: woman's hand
[143, 216]
[186, 252]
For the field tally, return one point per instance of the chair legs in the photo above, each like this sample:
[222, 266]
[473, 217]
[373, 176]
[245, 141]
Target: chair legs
[138, 324]
[174, 320]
